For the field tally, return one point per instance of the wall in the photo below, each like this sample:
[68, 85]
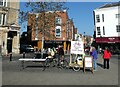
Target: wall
[110, 21]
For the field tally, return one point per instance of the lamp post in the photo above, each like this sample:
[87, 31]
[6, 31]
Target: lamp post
[84, 35]
[101, 41]
[43, 32]
[84, 41]
[100, 44]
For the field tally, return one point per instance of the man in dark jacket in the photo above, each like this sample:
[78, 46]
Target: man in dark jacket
[61, 53]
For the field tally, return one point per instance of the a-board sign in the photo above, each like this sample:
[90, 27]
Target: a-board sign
[77, 47]
[88, 62]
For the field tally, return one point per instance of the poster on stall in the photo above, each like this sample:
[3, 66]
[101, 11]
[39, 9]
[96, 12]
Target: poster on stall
[77, 47]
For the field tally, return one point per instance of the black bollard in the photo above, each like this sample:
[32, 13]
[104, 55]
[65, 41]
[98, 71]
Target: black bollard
[23, 54]
[10, 56]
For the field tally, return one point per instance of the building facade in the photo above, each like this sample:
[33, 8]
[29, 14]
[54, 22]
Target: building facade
[9, 28]
[107, 26]
[56, 29]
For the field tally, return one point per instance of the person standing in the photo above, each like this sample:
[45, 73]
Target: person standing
[90, 50]
[95, 56]
[61, 54]
[106, 57]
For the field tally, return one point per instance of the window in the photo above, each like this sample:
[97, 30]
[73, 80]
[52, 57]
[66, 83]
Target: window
[58, 31]
[3, 3]
[103, 30]
[58, 21]
[117, 15]
[1, 17]
[118, 28]
[36, 33]
[103, 17]
[98, 31]
[97, 18]
[4, 19]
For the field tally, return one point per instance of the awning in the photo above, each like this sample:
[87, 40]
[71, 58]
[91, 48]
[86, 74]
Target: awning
[107, 40]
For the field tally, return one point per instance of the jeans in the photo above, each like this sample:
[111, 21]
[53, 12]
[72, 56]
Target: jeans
[95, 63]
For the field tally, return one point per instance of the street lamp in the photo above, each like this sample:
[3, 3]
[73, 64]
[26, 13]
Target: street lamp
[101, 41]
[84, 41]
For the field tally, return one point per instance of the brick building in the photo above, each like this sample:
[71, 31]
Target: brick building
[54, 27]
[9, 28]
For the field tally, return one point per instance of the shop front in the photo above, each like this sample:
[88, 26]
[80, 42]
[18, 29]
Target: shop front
[111, 42]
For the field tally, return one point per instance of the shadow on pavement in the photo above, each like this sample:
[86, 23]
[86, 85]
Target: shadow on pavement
[101, 65]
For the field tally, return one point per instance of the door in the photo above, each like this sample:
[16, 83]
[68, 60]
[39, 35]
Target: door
[9, 45]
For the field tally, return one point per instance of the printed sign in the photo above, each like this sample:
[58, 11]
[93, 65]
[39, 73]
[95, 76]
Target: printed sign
[77, 47]
[88, 61]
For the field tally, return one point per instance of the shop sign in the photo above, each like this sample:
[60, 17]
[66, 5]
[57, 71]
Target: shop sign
[108, 40]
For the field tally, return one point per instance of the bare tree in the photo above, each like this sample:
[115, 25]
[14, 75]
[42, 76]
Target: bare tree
[46, 20]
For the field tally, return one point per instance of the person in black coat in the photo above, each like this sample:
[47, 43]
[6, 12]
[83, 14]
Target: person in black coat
[61, 54]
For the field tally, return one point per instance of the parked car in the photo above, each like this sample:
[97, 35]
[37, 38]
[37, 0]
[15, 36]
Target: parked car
[26, 48]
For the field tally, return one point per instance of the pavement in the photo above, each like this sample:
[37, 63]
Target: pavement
[13, 75]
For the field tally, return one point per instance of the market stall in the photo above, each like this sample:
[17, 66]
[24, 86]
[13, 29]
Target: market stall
[77, 55]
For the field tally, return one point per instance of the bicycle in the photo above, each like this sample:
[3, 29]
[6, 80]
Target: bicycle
[55, 62]
[61, 62]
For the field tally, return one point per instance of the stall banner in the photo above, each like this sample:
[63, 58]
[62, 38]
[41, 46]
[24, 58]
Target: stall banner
[77, 47]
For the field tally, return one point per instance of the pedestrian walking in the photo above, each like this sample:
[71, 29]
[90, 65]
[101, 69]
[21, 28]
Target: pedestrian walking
[95, 56]
[106, 57]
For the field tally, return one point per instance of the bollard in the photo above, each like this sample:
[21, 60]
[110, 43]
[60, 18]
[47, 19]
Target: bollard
[10, 56]
[23, 54]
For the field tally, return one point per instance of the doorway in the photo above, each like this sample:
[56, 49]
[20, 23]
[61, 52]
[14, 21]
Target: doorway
[9, 45]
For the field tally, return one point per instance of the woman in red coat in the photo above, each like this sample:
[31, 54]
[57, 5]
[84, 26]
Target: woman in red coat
[106, 57]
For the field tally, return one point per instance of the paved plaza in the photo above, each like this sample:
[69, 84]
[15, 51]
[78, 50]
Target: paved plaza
[13, 75]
